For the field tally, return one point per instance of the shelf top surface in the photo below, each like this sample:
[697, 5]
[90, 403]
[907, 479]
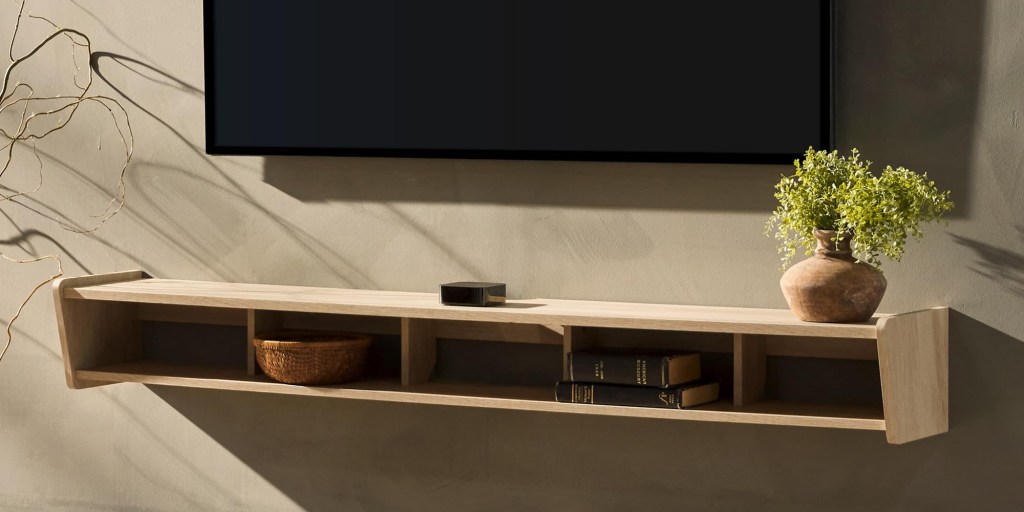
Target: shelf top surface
[427, 306]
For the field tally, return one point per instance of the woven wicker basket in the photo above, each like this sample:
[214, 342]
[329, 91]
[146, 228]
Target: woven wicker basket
[312, 357]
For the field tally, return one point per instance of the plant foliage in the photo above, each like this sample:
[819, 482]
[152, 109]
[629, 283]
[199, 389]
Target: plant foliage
[834, 192]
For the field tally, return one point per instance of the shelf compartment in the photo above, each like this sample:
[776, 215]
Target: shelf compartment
[488, 396]
[99, 316]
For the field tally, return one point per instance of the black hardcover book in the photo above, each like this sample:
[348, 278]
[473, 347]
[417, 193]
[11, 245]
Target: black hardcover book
[655, 370]
[677, 397]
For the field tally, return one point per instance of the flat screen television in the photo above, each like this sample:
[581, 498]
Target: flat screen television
[617, 80]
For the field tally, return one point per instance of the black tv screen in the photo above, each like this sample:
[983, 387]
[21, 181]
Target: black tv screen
[618, 80]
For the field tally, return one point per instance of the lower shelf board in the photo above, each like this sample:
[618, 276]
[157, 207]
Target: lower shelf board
[487, 396]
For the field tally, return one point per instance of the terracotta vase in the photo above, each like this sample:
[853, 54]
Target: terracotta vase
[832, 286]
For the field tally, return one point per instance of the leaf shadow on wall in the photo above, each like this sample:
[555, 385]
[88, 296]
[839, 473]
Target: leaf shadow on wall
[1003, 266]
[328, 454]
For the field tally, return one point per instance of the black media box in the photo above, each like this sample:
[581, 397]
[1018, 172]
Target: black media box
[473, 294]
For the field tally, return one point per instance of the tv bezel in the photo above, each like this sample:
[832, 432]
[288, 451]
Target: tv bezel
[826, 138]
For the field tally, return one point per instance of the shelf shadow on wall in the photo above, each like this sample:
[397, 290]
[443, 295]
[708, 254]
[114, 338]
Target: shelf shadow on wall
[908, 86]
[338, 454]
[984, 387]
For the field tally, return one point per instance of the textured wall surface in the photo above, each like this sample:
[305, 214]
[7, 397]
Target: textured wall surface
[937, 86]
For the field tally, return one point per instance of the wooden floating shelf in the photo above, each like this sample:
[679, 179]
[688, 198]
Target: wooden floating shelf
[494, 397]
[426, 306]
[99, 321]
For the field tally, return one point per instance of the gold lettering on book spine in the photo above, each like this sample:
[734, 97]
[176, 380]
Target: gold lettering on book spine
[667, 398]
[582, 393]
[641, 372]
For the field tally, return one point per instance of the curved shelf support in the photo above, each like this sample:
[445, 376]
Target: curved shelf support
[913, 360]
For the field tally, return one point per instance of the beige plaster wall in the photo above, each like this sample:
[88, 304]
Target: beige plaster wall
[933, 85]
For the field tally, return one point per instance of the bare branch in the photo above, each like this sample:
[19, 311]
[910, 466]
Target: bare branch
[25, 133]
[30, 116]
[43, 43]
[17, 24]
[10, 323]
[19, 193]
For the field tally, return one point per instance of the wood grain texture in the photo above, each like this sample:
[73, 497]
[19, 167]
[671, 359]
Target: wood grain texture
[447, 329]
[191, 314]
[95, 333]
[667, 341]
[576, 339]
[419, 350]
[913, 360]
[427, 306]
[495, 397]
[749, 368]
[503, 332]
[828, 348]
[374, 325]
[259, 322]
[99, 317]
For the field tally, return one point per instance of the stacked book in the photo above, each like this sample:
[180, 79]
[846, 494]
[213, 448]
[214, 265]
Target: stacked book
[640, 380]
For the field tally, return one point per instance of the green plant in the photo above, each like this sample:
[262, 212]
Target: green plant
[834, 192]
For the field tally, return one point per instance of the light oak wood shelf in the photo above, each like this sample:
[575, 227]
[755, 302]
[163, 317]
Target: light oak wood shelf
[495, 397]
[99, 321]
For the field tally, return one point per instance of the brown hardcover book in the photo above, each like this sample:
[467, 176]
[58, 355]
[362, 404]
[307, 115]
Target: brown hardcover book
[677, 397]
[654, 370]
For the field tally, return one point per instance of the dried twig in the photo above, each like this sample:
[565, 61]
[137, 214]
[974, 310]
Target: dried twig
[10, 323]
[32, 111]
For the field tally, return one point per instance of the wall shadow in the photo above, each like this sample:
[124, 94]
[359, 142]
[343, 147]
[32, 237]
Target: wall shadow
[1003, 266]
[24, 241]
[230, 196]
[984, 378]
[908, 81]
[351, 455]
[448, 458]
[554, 183]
